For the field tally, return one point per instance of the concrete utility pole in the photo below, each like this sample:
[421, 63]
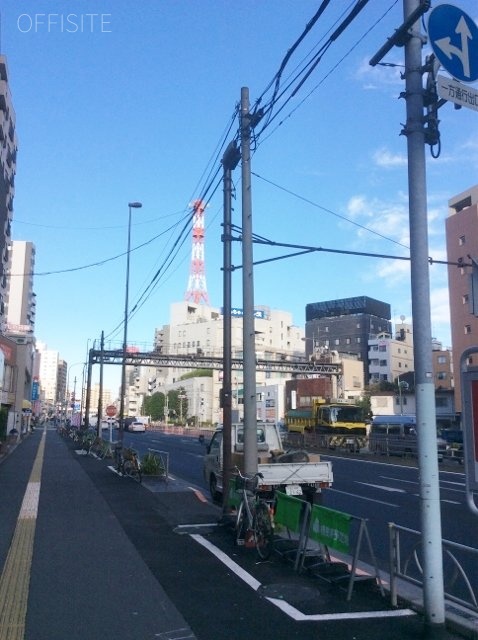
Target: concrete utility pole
[433, 590]
[230, 161]
[409, 34]
[248, 334]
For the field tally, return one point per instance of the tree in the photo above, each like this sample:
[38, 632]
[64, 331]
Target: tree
[154, 406]
[178, 403]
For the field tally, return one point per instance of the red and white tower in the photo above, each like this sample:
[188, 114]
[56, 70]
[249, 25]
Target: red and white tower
[197, 290]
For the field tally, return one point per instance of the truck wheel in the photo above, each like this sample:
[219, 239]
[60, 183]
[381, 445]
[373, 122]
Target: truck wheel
[215, 495]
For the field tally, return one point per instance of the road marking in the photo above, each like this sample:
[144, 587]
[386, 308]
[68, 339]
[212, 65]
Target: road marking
[284, 606]
[15, 578]
[357, 495]
[199, 494]
[225, 559]
[381, 486]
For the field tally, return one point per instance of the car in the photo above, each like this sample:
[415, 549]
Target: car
[137, 426]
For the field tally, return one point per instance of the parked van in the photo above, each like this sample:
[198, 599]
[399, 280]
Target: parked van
[397, 435]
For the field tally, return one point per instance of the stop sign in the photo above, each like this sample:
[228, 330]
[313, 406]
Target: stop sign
[111, 410]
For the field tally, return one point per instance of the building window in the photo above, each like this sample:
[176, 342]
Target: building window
[383, 363]
[441, 375]
[347, 340]
[382, 347]
[461, 241]
[467, 328]
[465, 298]
[337, 341]
[441, 359]
[358, 339]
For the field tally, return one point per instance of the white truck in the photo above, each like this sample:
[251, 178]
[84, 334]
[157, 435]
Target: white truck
[295, 472]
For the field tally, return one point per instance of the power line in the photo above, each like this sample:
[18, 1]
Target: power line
[333, 213]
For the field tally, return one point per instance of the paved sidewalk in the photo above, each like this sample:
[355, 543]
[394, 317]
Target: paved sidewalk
[113, 559]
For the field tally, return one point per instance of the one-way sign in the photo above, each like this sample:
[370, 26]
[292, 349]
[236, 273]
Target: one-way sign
[454, 39]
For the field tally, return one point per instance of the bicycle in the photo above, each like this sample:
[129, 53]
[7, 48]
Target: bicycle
[254, 523]
[127, 463]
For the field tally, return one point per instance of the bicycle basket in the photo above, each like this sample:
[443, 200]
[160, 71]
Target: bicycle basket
[249, 484]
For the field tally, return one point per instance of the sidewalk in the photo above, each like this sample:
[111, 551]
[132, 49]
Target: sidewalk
[114, 559]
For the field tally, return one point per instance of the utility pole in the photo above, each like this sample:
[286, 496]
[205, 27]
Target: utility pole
[100, 398]
[409, 34]
[248, 335]
[230, 161]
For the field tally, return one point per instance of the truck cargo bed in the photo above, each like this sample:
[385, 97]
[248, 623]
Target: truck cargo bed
[295, 473]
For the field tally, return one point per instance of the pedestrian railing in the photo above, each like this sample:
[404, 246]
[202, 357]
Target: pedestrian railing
[460, 566]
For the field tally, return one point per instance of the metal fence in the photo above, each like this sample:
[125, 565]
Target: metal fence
[460, 566]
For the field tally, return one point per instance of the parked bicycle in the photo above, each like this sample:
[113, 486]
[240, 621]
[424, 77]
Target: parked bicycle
[127, 463]
[254, 523]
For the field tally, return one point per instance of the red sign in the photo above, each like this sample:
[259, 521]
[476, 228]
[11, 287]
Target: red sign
[111, 410]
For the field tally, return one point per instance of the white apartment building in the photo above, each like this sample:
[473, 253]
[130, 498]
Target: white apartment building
[389, 357]
[21, 302]
[8, 156]
[48, 373]
[196, 329]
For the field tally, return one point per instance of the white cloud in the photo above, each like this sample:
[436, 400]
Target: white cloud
[384, 158]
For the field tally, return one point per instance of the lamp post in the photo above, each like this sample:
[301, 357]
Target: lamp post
[131, 205]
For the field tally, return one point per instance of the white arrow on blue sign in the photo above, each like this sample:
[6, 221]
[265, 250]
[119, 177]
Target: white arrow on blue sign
[454, 39]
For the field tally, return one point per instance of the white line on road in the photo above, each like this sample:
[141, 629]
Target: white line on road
[357, 495]
[284, 606]
[381, 486]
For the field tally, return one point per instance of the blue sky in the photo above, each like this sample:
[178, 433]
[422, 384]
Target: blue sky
[133, 104]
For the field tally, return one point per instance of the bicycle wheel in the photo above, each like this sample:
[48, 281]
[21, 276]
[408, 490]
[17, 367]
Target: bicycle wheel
[241, 524]
[131, 469]
[263, 531]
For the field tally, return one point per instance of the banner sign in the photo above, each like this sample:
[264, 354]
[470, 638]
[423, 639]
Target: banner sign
[330, 527]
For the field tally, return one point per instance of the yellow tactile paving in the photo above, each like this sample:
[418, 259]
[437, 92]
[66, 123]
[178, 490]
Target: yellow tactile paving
[15, 578]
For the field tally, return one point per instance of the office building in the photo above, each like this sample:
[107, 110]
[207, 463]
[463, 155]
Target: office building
[346, 325]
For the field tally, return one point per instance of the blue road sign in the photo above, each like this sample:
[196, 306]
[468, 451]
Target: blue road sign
[453, 37]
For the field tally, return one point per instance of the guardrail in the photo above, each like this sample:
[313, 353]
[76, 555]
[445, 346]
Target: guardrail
[405, 563]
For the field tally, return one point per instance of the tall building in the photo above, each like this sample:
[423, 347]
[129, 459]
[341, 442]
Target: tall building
[49, 373]
[21, 302]
[346, 325]
[461, 244]
[8, 156]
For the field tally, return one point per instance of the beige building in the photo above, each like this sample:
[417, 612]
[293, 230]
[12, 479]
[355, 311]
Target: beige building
[197, 329]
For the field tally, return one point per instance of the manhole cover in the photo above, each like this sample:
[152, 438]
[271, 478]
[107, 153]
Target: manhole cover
[289, 592]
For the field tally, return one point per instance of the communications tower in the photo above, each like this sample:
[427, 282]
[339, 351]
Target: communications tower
[197, 290]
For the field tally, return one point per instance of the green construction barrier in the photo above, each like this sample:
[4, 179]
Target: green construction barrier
[330, 527]
[288, 510]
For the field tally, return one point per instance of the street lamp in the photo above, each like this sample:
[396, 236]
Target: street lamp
[131, 205]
